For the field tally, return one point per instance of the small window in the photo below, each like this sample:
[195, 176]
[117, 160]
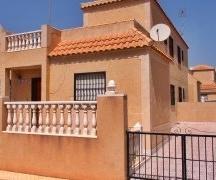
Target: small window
[183, 93]
[179, 54]
[182, 56]
[166, 43]
[172, 94]
[89, 85]
[180, 94]
[171, 50]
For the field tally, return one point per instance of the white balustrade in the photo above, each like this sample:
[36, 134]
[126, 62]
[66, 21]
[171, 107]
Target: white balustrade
[23, 41]
[60, 118]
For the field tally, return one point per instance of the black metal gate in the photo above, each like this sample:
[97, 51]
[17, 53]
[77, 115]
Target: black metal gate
[171, 156]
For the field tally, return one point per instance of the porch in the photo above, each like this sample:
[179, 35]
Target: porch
[72, 137]
[24, 83]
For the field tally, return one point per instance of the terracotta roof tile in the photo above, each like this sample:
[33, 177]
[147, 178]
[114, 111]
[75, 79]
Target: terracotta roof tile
[208, 86]
[202, 67]
[131, 39]
[98, 2]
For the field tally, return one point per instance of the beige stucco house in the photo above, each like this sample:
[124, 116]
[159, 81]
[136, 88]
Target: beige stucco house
[113, 44]
[51, 79]
[206, 76]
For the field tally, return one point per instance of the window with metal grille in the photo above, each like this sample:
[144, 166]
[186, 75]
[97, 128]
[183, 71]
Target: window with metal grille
[89, 85]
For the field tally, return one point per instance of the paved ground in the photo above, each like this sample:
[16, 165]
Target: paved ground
[201, 160]
[5, 175]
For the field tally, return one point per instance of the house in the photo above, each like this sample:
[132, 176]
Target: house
[42, 71]
[113, 44]
[206, 76]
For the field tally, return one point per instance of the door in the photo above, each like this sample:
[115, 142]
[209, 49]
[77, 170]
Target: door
[36, 89]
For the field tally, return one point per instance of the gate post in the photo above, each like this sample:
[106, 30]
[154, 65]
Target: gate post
[184, 161]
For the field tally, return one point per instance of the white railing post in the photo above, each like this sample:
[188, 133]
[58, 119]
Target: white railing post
[27, 41]
[40, 118]
[12, 43]
[14, 128]
[47, 128]
[38, 39]
[54, 119]
[9, 44]
[34, 118]
[9, 118]
[69, 119]
[94, 122]
[20, 128]
[77, 119]
[85, 119]
[27, 119]
[61, 121]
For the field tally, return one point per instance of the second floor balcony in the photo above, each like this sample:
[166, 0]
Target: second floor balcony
[45, 37]
[23, 41]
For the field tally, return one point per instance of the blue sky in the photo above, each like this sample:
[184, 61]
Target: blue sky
[198, 25]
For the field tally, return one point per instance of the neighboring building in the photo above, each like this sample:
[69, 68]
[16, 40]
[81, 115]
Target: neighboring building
[113, 44]
[206, 76]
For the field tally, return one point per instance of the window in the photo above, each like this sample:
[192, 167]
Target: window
[179, 54]
[182, 56]
[180, 94]
[166, 43]
[89, 85]
[171, 50]
[172, 94]
[183, 93]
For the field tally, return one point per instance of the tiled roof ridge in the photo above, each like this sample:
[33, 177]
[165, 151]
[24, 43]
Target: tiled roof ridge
[109, 36]
[202, 67]
[208, 86]
[130, 39]
[98, 2]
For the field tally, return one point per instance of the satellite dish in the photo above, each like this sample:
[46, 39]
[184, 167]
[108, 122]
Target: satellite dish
[160, 32]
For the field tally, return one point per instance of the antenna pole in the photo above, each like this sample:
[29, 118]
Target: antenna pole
[50, 12]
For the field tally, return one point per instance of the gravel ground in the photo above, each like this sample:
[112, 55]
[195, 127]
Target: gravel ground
[201, 163]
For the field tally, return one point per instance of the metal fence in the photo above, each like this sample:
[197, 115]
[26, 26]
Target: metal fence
[171, 156]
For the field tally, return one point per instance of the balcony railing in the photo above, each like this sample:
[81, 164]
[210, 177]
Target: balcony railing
[23, 41]
[60, 118]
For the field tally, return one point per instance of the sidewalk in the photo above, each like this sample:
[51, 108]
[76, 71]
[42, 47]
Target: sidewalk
[6, 175]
